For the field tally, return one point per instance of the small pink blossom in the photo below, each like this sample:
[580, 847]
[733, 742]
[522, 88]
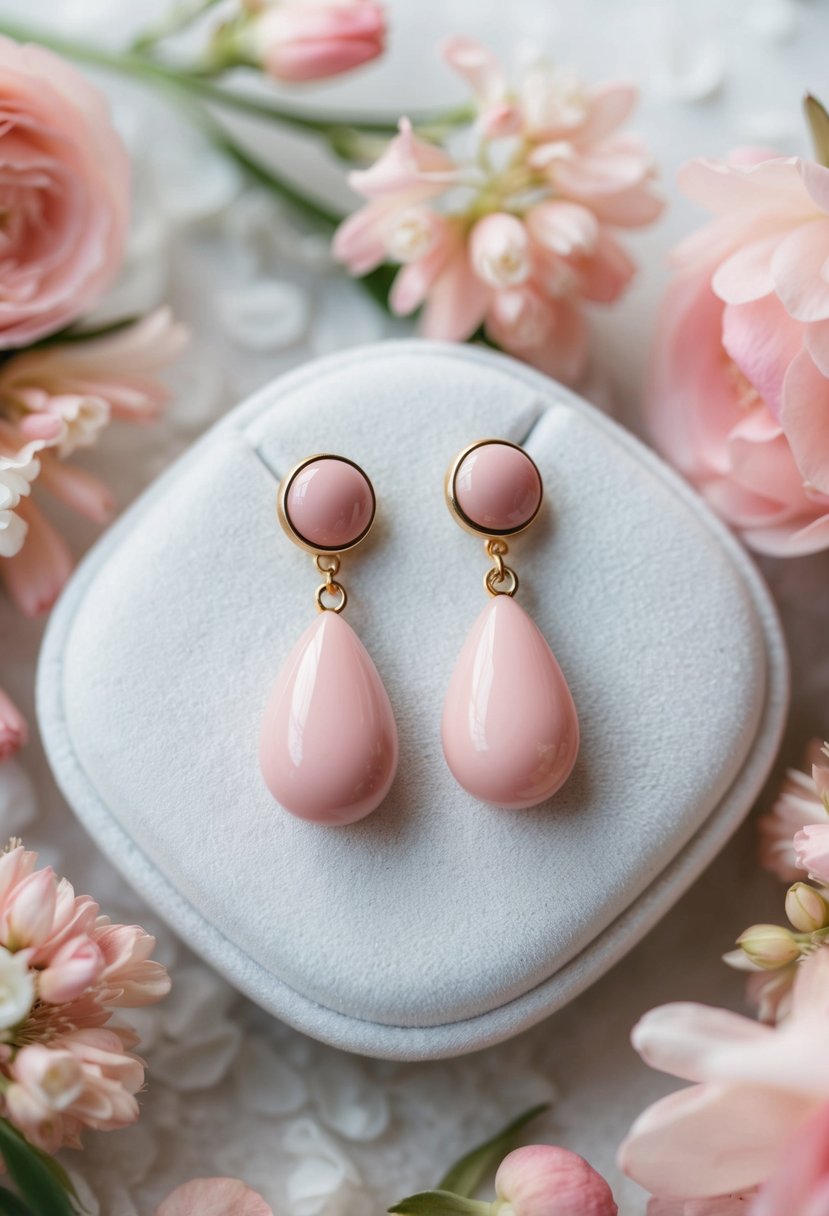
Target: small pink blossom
[129, 975]
[301, 40]
[518, 240]
[755, 1086]
[800, 802]
[811, 848]
[13, 729]
[73, 968]
[64, 194]
[542, 1180]
[214, 1197]
[739, 396]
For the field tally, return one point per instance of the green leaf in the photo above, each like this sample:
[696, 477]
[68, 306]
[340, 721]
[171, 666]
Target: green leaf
[35, 1180]
[466, 1175]
[818, 121]
[440, 1203]
[10, 1205]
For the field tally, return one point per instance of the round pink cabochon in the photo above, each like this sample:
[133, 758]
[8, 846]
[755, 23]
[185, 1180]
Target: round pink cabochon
[498, 487]
[330, 503]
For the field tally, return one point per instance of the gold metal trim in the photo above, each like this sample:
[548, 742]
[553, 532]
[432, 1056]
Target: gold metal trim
[282, 512]
[454, 506]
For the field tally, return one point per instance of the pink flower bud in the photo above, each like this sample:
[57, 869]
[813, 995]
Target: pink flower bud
[13, 729]
[73, 969]
[541, 1180]
[500, 250]
[29, 911]
[311, 41]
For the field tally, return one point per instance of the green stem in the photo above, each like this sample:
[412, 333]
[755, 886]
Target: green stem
[140, 66]
[181, 15]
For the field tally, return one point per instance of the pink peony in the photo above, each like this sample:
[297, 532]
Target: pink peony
[542, 1180]
[520, 238]
[739, 396]
[13, 729]
[755, 1086]
[214, 1197]
[57, 399]
[799, 803]
[64, 194]
[65, 970]
[299, 40]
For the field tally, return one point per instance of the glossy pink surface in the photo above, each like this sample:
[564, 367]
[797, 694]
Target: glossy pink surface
[328, 748]
[510, 730]
[498, 487]
[329, 503]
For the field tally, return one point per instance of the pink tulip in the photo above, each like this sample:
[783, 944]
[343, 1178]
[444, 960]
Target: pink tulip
[28, 911]
[64, 195]
[13, 729]
[214, 1197]
[811, 848]
[739, 396]
[541, 1180]
[73, 968]
[755, 1086]
[298, 40]
[800, 1184]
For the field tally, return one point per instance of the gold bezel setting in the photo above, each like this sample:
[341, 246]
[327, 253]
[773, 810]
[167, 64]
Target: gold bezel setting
[282, 505]
[454, 506]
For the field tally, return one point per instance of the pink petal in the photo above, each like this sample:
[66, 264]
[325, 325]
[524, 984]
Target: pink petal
[456, 303]
[605, 274]
[798, 270]
[816, 180]
[762, 339]
[214, 1197]
[770, 185]
[746, 274]
[680, 1038]
[35, 576]
[360, 242]
[610, 105]
[632, 208]
[805, 417]
[479, 68]
[709, 1140]
[802, 1176]
[78, 489]
[409, 166]
[563, 228]
[413, 283]
[796, 539]
[816, 337]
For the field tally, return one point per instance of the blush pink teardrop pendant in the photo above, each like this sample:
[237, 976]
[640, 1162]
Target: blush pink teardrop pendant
[328, 748]
[510, 729]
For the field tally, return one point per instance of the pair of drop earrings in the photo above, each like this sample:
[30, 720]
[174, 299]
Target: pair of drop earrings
[328, 749]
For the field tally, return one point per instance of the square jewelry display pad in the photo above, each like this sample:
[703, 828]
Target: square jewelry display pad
[437, 925]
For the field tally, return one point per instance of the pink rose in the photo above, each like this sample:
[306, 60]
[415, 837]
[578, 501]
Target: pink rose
[739, 395]
[64, 194]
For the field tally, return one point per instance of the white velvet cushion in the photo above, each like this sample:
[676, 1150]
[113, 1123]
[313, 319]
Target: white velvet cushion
[437, 925]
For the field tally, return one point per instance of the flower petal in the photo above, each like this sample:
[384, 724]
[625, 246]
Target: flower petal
[805, 417]
[798, 270]
[679, 1038]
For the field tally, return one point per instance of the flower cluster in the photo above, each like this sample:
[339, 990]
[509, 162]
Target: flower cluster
[518, 237]
[739, 395]
[64, 196]
[301, 40]
[64, 972]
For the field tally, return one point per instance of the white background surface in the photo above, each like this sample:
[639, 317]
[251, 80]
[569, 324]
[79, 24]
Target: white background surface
[314, 1131]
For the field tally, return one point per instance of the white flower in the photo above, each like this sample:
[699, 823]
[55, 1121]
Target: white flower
[17, 988]
[16, 476]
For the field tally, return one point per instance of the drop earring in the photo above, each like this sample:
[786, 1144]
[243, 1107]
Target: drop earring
[510, 730]
[328, 748]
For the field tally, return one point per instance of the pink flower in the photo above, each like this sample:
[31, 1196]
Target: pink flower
[213, 1197]
[542, 1180]
[297, 40]
[74, 967]
[64, 194]
[518, 239]
[800, 802]
[739, 396]
[755, 1086]
[13, 729]
[129, 976]
[800, 1184]
[811, 848]
[722, 1205]
[60, 397]
[28, 911]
